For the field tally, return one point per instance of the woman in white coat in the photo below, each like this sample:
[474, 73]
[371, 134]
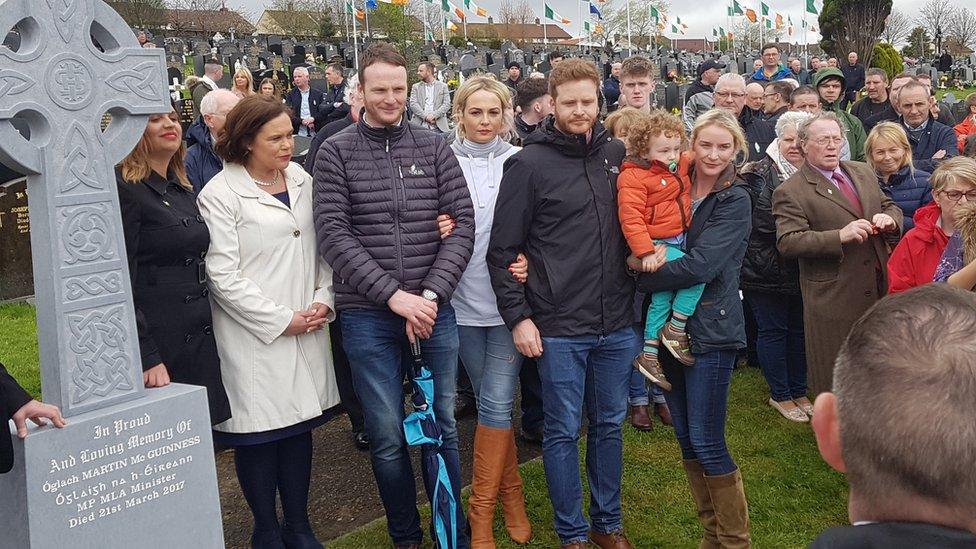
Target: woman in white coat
[272, 300]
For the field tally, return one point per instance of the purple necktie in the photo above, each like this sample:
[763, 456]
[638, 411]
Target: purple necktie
[848, 190]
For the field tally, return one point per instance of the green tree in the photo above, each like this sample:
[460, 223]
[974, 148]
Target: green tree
[327, 27]
[887, 58]
[393, 21]
[918, 43]
[141, 14]
[852, 25]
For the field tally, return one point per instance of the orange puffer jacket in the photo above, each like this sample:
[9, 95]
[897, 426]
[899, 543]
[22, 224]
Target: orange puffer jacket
[964, 129]
[653, 202]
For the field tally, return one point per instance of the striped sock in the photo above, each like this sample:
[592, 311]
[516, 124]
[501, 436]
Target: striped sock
[650, 347]
[678, 323]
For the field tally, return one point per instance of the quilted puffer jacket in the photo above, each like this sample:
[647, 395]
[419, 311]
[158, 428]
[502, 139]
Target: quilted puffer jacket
[763, 268]
[378, 192]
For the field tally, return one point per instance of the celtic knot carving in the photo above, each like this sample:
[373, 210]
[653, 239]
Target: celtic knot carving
[13, 82]
[92, 285]
[70, 81]
[79, 165]
[64, 13]
[140, 80]
[85, 233]
[98, 338]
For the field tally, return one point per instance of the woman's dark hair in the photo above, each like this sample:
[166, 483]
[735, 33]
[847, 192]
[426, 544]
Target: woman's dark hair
[244, 122]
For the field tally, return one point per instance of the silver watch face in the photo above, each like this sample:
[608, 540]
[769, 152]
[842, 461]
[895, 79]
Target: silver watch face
[429, 294]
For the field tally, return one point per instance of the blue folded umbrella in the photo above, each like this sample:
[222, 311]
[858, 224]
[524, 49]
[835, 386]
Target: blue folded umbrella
[421, 429]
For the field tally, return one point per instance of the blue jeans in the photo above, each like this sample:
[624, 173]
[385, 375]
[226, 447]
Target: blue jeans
[780, 343]
[641, 392]
[698, 401]
[492, 362]
[376, 342]
[595, 371]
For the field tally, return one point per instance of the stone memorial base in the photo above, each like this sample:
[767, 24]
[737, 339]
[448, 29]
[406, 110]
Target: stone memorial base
[137, 474]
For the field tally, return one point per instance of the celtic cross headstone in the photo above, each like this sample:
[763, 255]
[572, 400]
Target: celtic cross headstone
[128, 456]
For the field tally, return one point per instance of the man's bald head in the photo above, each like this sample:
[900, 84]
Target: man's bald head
[214, 108]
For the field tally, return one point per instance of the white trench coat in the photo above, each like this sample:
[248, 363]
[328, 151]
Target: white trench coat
[263, 264]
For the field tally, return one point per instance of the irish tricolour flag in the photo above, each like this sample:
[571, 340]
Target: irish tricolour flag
[553, 16]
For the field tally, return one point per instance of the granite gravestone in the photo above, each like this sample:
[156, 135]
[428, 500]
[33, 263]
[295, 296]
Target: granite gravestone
[15, 254]
[133, 468]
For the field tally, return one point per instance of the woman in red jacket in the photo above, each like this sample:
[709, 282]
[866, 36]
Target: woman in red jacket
[917, 255]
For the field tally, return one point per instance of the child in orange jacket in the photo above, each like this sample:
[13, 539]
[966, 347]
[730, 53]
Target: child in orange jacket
[654, 201]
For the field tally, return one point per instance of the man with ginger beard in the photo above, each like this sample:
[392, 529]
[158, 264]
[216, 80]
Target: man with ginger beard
[557, 204]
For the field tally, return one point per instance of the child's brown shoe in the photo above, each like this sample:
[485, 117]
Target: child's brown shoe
[677, 342]
[650, 368]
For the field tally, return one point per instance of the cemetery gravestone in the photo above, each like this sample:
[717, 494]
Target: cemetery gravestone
[202, 48]
[128, 457]
[15, 254]
[316, 78]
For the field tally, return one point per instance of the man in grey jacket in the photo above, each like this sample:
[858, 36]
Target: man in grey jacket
[430, 100]
[379, 186]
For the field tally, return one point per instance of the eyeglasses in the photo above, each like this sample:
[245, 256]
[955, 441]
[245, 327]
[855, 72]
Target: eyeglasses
[955, 196]
[765, 95]
[824, 141]
[726, 95]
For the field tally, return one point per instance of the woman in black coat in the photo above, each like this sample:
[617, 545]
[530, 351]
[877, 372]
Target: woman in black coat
[166, 241]
[715, 245]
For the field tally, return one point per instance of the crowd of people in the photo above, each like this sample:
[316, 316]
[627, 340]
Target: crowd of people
[602, 268]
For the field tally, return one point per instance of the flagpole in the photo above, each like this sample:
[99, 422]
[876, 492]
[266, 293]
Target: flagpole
[366, 18]
[630, 39]
[426, 23]
[444, 30]
[579, 23]
[355, 36]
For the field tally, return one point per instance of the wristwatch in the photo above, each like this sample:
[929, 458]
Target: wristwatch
[429, 295]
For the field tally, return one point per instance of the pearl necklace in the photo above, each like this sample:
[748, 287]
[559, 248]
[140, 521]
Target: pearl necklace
[263, 184]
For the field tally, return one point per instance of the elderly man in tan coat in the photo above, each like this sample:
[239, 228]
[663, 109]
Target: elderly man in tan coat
[833, 217]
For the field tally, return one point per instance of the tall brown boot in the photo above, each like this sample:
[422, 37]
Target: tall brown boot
[731, 509]
[511, 496]
[703, 501]
[490, 453]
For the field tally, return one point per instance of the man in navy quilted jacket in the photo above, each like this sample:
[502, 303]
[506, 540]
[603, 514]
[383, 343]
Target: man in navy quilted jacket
[379, 186]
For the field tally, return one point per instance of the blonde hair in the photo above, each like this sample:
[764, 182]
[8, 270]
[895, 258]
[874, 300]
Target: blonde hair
[490, 85]
[136, 169]
[621, 120]
[658, 123]
[243, 71]
[892, 132]
[726, 121]
[958, 169]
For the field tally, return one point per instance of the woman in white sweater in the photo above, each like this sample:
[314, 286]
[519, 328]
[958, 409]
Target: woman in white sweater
[482, 110]
[272, 299]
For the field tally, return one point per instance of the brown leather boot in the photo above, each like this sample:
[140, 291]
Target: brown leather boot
[613, 540]
[640, 419]
[490, 452]
[731, 509]
[703, 501]
[663, 412]
[511, 497]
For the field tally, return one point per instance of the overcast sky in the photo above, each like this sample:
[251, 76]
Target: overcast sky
[700, 21]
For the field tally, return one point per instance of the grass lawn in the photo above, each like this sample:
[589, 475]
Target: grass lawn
[958, 94]
[792, 494]
[18, 345]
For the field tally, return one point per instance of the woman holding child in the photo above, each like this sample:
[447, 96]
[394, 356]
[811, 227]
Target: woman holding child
[715, 241]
